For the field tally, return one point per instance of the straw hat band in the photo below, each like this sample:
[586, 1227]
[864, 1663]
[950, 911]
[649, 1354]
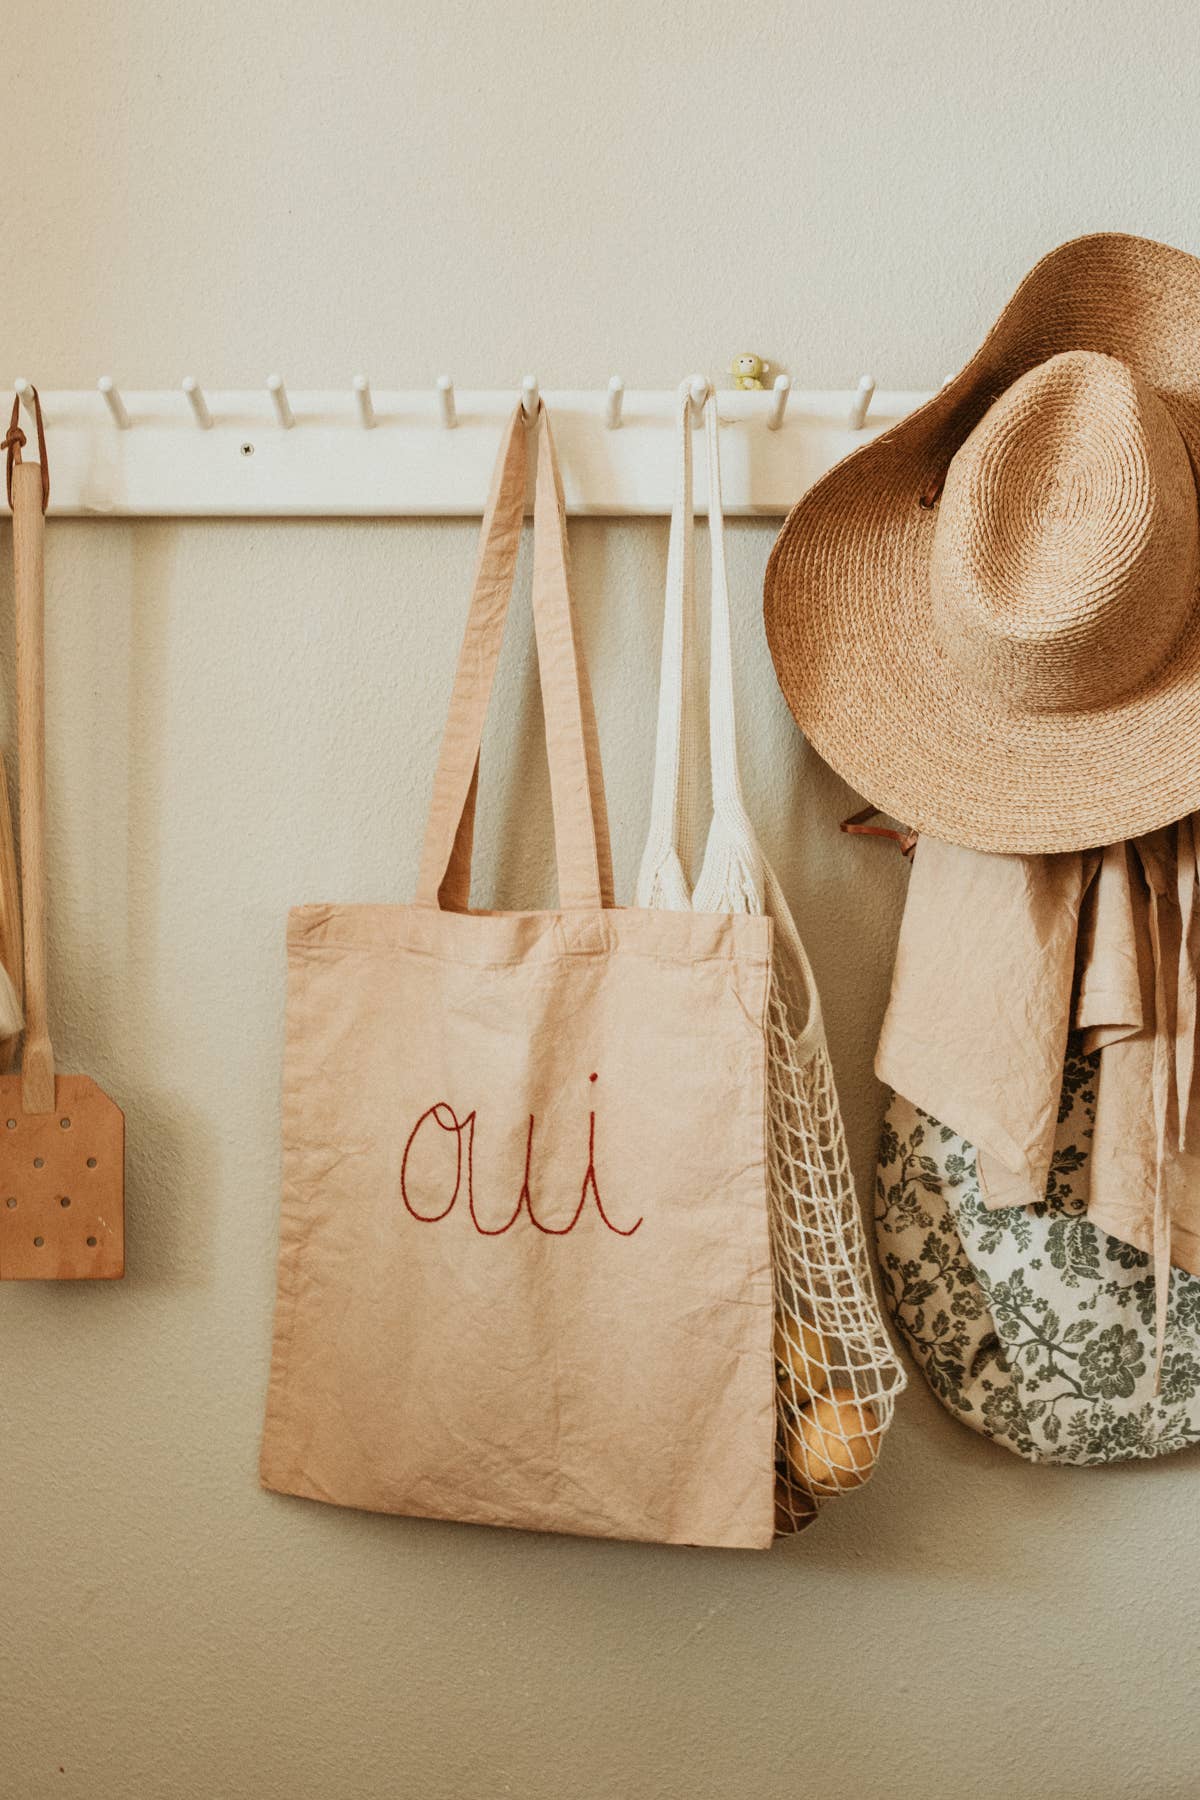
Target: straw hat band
[1064, 562]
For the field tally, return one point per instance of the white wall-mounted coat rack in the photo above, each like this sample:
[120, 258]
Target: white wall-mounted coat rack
[356, 452]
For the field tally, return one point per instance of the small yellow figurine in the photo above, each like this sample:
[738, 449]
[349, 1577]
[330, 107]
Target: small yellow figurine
[747, 371]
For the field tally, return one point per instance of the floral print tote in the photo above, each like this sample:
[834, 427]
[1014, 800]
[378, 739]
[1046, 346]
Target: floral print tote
[1032, 1326]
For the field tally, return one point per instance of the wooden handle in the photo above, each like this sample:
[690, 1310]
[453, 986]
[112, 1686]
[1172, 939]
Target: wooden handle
[11, 953]
[37, 1062]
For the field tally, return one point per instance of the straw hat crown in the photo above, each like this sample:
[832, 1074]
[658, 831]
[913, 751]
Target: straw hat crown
[1066, 549]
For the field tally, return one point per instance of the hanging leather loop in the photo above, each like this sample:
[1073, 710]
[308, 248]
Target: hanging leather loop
[14, 442]
[856, 826]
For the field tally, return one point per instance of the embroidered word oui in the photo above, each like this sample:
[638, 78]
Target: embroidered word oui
[462, 1130]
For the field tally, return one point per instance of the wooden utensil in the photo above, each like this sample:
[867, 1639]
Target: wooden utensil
[62, 1140]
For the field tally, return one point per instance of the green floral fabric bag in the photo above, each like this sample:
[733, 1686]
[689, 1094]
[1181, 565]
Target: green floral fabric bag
[1032, 1326]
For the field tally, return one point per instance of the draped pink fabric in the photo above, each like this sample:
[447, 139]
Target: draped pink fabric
[999, 958]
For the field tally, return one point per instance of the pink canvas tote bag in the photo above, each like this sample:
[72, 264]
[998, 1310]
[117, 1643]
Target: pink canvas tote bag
[524, 1275]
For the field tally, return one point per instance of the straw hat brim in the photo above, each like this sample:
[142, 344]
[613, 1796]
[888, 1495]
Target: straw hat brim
[848, 610]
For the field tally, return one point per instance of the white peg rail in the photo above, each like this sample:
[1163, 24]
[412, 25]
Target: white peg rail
[358, 452]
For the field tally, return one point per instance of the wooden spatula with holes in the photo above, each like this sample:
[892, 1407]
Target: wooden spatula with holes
[62, 1140]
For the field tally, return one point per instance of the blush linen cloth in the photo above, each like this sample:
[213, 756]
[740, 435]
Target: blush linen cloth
[524, 1269]
[999, 958]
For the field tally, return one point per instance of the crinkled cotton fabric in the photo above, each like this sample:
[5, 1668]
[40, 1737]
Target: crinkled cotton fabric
[999, 958]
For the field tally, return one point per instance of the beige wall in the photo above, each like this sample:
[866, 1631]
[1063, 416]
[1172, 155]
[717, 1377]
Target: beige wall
[244, 715]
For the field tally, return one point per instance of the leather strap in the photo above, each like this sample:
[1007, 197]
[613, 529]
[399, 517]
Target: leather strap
[856, 826]
[14, 442]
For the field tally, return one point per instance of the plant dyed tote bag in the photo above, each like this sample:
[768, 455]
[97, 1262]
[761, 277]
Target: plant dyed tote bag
[524, 1271]
[1032, 1325]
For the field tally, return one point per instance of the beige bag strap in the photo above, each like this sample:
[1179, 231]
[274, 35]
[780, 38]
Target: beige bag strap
[445, 872]
[572, 745]
[577, 781]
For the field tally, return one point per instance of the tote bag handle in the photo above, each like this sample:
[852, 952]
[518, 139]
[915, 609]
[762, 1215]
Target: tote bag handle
[664, 879]
[734, 875]
[572, 746]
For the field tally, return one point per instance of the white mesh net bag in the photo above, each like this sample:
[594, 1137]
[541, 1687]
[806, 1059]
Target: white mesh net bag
[837, 1375]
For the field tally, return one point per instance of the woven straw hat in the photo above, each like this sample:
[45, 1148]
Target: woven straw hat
[988, 620]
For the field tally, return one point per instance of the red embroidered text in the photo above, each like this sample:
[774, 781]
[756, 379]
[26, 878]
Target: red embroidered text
[463, 1131]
